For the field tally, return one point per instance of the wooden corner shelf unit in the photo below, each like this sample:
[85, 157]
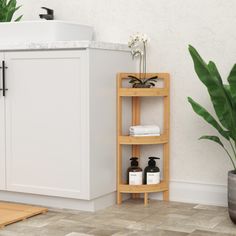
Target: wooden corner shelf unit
[163, 139]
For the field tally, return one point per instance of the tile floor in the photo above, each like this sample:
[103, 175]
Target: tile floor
[131, 218]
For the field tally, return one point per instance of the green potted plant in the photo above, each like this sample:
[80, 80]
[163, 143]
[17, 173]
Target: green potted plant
[138, 45]
[223, 98]
[7, 10]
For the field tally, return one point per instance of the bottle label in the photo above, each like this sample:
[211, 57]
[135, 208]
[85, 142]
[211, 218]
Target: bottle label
[153, 178]
[135, 178]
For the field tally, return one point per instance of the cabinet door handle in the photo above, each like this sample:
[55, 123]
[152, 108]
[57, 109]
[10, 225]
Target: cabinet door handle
[3, 89]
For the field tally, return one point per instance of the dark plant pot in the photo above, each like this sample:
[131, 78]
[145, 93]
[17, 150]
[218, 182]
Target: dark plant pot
[232, 195]
[141, 86]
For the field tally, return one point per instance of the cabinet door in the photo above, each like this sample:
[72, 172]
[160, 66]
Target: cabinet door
[47, 123]
[2, 133]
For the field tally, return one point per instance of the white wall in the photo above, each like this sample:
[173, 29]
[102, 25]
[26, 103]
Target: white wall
[209, 25]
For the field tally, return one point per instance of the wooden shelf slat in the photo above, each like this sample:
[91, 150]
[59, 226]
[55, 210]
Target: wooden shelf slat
[143, 92]
[161, 76]
[131, 140]
[125, 188]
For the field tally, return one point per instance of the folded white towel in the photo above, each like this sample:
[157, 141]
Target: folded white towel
[144, 129]
[144, 135]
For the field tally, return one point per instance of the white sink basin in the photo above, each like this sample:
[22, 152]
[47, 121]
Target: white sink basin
[40, 31]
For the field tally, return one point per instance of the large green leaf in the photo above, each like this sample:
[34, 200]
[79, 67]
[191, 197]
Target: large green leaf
[232, 83]
[229, 95]
[19, 18]
[11, 13]
[7, 10]
[3, 3]
[11, 4]
[209, 75]
[213, 69]
[213, 138]
[208, 117]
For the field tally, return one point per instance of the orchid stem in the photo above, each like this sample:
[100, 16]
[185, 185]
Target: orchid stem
[144, 60]
[140, 66]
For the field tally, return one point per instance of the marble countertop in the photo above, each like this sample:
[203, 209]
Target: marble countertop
[63, 45]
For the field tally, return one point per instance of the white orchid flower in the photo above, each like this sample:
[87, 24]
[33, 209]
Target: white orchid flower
[138, 44]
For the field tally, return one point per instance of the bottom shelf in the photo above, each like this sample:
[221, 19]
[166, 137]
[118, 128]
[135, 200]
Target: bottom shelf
[126, 188]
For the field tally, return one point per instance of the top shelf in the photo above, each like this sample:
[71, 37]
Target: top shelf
[143, 92]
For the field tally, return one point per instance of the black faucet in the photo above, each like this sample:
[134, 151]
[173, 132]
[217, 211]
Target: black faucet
[49, 15]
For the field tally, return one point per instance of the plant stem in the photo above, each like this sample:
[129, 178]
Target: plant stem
[230, 157]
[233, 148]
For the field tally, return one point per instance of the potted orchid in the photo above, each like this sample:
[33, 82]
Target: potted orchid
[138, 45]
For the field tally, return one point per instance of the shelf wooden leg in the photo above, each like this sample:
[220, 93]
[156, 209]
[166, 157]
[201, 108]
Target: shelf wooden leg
[135, 121]
[119, 198]
[135, 195]
[166, 151]
[145, 199]
[166, 195]
[119, 148]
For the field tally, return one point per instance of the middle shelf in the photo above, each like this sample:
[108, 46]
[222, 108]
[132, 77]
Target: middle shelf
[132, 140]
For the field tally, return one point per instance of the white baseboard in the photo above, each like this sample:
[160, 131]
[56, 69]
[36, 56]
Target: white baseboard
[58, 202]
[193, 192]
[108, 200]
[180, 191]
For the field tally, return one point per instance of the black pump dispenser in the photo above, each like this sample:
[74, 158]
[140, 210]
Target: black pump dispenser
[134, 172]
[134, 161]
[152, 172]
[152, 161]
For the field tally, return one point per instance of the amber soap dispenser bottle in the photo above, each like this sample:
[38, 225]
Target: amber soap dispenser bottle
[134, 172]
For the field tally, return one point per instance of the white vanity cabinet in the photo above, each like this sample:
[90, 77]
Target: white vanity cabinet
[47, 126]
[57, 122]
